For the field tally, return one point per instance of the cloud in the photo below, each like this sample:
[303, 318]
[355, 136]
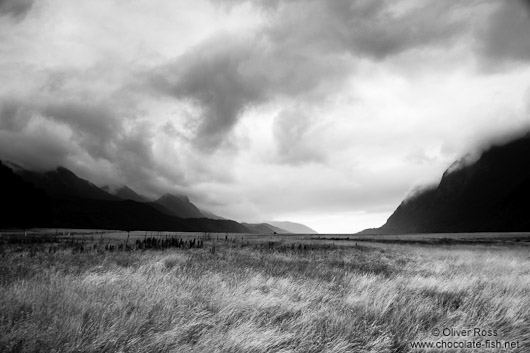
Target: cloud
[306, 50]
[94, 125]
[375, 28]
[101, 142]
[505, 39]
[380, 29]
[45, 133]
[13, 114]
[419, 156]
[297, 137]
[15, 8]
[213, 76]
[226, 75]
[36, 149]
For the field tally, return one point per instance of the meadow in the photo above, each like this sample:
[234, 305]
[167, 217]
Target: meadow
[251, 294]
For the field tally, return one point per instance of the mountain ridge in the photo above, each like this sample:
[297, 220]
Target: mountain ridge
[293, 227]
[63, 183]
[487, 195]
[74, 202]
[179, 205]
[126, 193]
[265, 228]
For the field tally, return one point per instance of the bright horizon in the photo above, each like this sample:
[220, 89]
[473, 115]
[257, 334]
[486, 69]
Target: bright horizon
[326, 113]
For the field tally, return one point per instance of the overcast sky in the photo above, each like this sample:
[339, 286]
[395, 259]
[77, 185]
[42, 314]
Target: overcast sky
[324, 112]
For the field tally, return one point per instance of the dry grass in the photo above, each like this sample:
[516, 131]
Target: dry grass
[355, 299]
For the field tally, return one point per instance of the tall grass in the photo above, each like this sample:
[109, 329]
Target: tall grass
[251, 300]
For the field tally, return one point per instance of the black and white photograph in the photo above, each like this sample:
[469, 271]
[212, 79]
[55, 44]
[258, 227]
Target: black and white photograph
[264, 176]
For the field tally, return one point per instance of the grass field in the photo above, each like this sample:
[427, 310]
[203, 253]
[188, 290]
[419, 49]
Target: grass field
[249, 295]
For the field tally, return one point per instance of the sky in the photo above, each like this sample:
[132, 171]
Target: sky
[323, 112]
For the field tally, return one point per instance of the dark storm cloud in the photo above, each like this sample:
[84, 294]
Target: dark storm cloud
[213, 77]
[379, 29]
[375, 28]
[15, 8]
[305, 50]
[34, 150]
[95, 126]
[92, 128]
[506, 39]
[13, 115]
[134, 158]
[227, 75]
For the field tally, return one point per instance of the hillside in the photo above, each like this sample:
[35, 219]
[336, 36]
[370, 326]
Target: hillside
[489, 195]
[126, 193]
[24, 205]
[64, 184]
[264, 228]
[59, 198]
[293, 227]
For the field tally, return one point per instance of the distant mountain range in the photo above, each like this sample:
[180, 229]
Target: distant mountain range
[491, 194]
[264, 228]
[174, 205]
[59, 198]
[292, 227]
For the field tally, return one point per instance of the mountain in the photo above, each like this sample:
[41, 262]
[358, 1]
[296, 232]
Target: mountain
[175, 205]
[25, 206]
[491, 194]
[293, 227]
[125, 215]
[168, 204]
[180, 206]
[132, 215]
[59, 198]
[264, 228]
[62, 183]
[125, 193]
[210, 215]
